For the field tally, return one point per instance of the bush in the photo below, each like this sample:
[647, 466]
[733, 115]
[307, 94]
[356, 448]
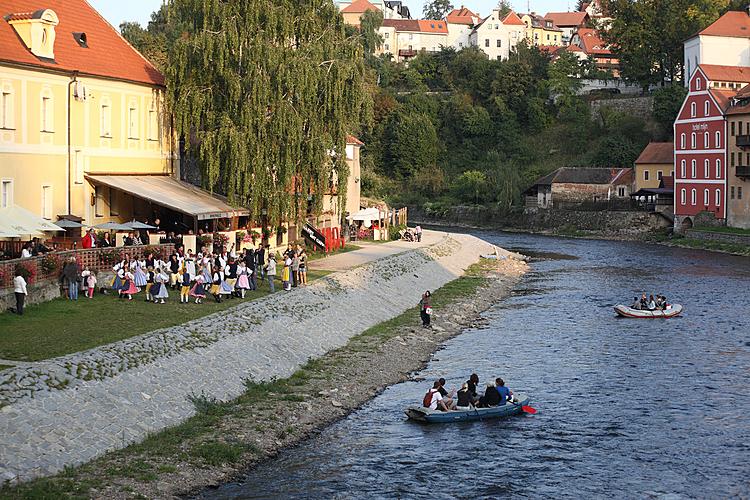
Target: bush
[50, 264]
[27, 270]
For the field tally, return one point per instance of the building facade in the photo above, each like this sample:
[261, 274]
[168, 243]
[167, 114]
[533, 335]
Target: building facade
[738, 174]
[497, 35]
[405, 38]
[655, 162]
[725, 42]
[541, 31]
[568, 22]
[460, 23]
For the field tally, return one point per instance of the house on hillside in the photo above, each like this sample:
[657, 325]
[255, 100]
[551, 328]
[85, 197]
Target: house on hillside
[460, 22]
[594, 48]
[541, 32]
[498, 34]
[738, 170]
[568, 22]
[405, 38]
[352, 10]
[566, 187]
[655, 162]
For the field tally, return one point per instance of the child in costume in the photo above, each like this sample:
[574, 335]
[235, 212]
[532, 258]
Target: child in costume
[185, 290]
[161, 279]
[198, 291]
[243, 283]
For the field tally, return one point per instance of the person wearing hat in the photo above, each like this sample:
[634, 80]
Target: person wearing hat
[271, 271]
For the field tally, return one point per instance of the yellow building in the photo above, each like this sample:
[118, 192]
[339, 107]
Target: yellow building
[655, 162]
[82, 123]
[541, 31]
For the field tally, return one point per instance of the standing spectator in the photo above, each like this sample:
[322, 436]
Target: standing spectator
[295, 266]
[303, 267]
[91, 284]
[261, 259]
[106, 241]
[271, 272]
[38, 248]
[26, 251]
[89, 241]
[286, 279]
[250, 262]
[19, 287]
[128, 241]
[70, 276]
[425, 309]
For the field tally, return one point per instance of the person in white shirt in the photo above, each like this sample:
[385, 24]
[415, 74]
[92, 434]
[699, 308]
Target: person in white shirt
[19, 287]
[437, 398]
[26, 252]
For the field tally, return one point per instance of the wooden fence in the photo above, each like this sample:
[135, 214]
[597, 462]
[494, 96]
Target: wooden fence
[49, 266]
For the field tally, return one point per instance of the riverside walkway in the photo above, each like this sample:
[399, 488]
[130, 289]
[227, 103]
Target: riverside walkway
[88, 403]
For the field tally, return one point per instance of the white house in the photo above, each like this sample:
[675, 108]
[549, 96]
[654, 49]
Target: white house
[726, 42]
[405, 38]
[460, 22]
[496, 35]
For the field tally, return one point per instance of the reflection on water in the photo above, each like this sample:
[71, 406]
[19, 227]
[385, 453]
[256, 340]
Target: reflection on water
[627, 408]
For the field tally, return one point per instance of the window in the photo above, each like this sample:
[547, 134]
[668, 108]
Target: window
[98, 201]
[705, 108]
[717, 197]
[620, 190]
[387, 35]
[6, 193]
[697, 82]
[386, 47]
[705, 169]
[705, 197]
[411, 36]
[731, 159]
[47, 201]
[693, 140]
[717, 140]
[47, 116]
[682, 169]
[78, 158]
[731, 193]
[683, 197]
[105, 125]
[682, 141]
[739, 128]
[659, 174]
[645, 175]
[114, 206]
[498, 43]
[133, 123]
[486, 42]
[693, 168]
[718, 169]
[706, 141]
[548, 37]
[6, 108]
[732, 128]
[692, 110]
[693, 197]
[739, 192]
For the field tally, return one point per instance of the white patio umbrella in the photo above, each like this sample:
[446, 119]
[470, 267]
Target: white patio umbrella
[138, 225]
[113, 226]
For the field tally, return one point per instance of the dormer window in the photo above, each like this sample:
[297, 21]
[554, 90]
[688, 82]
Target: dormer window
[36, 30]
[81, 39]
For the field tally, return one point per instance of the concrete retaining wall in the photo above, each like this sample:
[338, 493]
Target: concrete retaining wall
[739, 239]
[129, 389]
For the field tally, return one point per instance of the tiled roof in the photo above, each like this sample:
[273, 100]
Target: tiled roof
[431, 26]
[358, 7]
[723, 97]
[717, 73]
[656, 152]
[733, 24]
[512, 19]
[108, 54]
[350, 139]
[538, 21]
[568, 175]
[591, 42]
[667, 182]
[574, 48]
[567, 19]
[461, 16]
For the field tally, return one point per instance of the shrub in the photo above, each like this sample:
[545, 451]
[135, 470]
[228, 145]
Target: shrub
[204, 239]
[220, 240]
[109, 256]
[27, 270]
[50, 264]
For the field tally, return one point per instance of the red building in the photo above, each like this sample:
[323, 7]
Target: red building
[700, 143]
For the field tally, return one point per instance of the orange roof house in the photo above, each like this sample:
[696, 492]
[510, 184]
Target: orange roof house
[462, 16]
[567, 19]
[353, 12]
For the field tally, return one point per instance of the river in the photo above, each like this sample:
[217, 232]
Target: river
[626, 408]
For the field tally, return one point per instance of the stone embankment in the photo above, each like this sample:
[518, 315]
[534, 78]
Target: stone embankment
[72, 409]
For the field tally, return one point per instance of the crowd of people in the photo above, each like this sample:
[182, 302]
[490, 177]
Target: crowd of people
[651, 303]
[467, 398]
[222, 274]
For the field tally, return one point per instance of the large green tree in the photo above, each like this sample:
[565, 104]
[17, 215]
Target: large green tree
[437, 9]
[266, 91]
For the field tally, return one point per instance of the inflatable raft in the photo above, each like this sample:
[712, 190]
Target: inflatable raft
[629, 312]
[422, 414]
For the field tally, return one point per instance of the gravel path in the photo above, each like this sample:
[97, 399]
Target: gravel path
[128, 389]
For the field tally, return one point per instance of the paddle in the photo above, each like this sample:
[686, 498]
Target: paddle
[524, 408]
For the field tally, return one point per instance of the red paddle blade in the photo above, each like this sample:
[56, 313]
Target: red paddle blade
[529, 409]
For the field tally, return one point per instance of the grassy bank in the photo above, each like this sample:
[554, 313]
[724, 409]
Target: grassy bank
[62, 326]
[224, 438]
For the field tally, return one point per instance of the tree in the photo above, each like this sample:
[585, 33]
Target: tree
[563, 80]
[369, 24]
[437, 9]
[266, 90]
[412, 144]
[155, 41]
[472, 186]
[667, 103]
[504, 7]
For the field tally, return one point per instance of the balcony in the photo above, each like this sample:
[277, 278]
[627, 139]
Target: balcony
[407, 53]
[742, 171]
[743, 141]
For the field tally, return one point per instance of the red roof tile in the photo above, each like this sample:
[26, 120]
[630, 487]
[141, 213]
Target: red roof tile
[430, 26]
[567, 19]
[402, 24]
[723, 97]
[718, 73]
[513, 19]
[350, 139]
[359, 7]
[108, 54]
[592, 43]
[733, 24]
[461, 16]
[657, 152]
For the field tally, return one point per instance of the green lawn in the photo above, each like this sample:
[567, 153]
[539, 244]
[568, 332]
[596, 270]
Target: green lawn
[62, 327]
[723, 229]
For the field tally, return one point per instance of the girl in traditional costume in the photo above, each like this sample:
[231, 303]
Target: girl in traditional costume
[198, 291]
[139, 277]
[128, 288]
[243, 283]
[161, 279]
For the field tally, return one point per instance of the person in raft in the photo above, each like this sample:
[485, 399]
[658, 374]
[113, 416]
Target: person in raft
[433, 399]
[495, 395]
[425, 309]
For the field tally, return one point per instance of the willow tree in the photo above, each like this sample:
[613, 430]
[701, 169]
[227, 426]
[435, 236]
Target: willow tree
[266, 91]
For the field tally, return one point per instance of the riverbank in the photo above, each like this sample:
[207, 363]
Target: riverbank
[226, 438]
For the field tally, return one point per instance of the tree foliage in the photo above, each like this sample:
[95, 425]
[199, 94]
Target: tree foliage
[266, 90]
[437, 9]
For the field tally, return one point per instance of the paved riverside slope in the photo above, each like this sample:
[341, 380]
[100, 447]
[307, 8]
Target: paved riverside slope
[259, 340]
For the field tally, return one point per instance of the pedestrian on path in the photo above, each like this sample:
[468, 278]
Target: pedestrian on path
[418, 233]
[425, 309]
[19, 287]
[271, 271]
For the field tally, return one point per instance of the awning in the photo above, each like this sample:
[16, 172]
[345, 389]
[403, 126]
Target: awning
[172, 193]
[367, 216]
[16, 222]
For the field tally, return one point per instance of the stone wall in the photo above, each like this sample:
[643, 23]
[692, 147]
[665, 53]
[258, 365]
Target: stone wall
[738, 239]
[71, 409]
[43, 292]
[641, 106]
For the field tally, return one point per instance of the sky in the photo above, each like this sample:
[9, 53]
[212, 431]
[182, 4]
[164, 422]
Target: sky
[117, 11]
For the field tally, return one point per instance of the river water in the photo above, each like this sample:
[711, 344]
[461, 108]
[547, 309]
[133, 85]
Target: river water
[626, 408]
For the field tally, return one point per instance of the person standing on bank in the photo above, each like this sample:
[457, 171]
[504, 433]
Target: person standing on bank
[271, 272]
[70, 275]
[19, 287]
[425, 309]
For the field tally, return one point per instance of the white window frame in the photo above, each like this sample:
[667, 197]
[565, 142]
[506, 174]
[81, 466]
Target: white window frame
[78, 166]
[693, 140]
[718, 168]
[105, 118]
[706, 140]
[706, 169]
[693, 197]
[683, 169]
[683, 141]
[697, 83]
[683, 196]
[133, 121]
[7, 111]
[705, 198]
[47, 192]
[717, 140]
[46, 111]
[705, 108]
[6, 193]
[693, 110]
[645, 175]
[693, 169]
[717, 198]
